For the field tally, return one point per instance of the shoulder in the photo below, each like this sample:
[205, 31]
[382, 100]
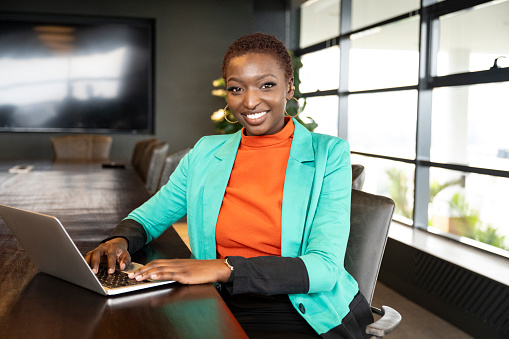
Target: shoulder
[211, 141]
[330, 144]
[210, 145]
[321, 142]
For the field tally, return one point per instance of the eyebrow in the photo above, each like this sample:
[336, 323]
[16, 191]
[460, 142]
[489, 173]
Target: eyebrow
[257, 78]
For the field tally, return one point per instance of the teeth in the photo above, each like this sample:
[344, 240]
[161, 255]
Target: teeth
[256, 115]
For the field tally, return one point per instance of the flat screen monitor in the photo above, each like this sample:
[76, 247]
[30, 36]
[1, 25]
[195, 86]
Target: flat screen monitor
[76, 74]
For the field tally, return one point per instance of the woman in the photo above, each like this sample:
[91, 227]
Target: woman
[268, 210]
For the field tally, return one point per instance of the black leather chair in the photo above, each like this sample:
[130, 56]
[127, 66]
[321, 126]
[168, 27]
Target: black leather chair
[139, 152]
[152, 165]
[371, 216]
[358, 176]
[170, 164]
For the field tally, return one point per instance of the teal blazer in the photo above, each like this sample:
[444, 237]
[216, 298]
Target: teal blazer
[315, 217]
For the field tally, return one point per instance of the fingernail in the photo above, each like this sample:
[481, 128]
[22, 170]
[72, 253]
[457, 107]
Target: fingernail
[122, 266]
[138, 277]
[131, 275]
[153, 276]
[111, 270]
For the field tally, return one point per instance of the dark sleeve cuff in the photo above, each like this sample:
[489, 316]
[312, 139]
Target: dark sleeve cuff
[268, 275]
[132, 231]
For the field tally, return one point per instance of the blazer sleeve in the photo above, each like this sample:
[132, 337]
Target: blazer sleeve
[167, 206]
[326, 237]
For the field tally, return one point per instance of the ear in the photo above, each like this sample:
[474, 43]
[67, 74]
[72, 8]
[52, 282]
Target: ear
[290, 89]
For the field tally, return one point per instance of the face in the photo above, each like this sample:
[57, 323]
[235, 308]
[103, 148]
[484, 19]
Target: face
[257, 92]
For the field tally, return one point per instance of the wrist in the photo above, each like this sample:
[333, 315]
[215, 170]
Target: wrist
[224, 270]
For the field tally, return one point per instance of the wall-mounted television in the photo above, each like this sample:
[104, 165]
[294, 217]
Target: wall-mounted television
[76, 74]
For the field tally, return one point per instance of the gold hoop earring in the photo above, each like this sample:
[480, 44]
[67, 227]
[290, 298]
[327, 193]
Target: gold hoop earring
[225, 116]
[298, 110]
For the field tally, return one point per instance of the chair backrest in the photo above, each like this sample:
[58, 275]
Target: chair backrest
[370, 219]
[140, 149]
[155, 166]
[82, 147]
[170, 164]
[358, 176]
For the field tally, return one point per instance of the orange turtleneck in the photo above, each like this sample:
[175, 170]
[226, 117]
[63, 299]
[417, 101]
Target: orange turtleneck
[249, 222]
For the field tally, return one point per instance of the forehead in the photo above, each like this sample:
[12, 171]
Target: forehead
[253, 64]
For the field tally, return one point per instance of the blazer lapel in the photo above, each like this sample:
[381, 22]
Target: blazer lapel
[297, 190]
[217, 176]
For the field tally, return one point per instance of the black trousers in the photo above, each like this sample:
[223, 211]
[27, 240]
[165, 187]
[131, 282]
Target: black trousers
[274, 317]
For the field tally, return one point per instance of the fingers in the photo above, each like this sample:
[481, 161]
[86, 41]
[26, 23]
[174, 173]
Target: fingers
[125, 260]
[112, 251]
[186, 271]
[112, 261]
[93, 258]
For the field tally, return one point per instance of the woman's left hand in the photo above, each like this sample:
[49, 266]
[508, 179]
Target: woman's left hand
[185, 271]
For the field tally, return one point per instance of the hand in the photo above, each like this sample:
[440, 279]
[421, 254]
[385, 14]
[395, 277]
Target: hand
[115, 251]
[185, 271]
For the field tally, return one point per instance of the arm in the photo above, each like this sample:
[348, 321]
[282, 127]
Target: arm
[160, 211]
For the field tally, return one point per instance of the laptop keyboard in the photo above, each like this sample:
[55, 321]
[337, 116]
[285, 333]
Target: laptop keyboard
[117, 279]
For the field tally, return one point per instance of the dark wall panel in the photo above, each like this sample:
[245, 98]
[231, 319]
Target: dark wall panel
[474, 303]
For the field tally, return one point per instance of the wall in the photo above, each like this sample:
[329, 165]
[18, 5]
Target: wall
[191, 38]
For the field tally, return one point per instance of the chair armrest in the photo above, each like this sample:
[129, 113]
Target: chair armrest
[390, 319]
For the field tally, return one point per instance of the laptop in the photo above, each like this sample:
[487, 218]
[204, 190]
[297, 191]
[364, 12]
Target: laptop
[49, 246]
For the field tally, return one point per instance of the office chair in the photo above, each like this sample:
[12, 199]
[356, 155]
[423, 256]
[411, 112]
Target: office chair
[170, 164]
[370, 218]
[152, 165]
[140, 149]
[358, 176]
[82, 147]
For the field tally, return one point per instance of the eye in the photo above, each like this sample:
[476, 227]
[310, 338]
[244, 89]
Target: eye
[268, 85]
[233, 89]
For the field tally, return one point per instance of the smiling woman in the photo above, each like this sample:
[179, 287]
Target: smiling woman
[267, 207]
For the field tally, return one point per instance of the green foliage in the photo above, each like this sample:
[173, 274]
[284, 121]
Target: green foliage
[467, 219]
[471, 225]
[398, 191]
[435, 187]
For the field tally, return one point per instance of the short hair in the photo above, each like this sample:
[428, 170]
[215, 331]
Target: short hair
[259, 43]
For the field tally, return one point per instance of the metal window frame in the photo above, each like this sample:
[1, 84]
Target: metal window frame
[430, 11]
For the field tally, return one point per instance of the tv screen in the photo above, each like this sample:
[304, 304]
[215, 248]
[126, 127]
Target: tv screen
[76, 74]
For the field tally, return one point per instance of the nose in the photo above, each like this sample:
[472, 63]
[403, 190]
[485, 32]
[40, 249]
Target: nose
[251, 99]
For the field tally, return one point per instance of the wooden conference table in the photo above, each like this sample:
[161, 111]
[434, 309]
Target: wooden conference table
[90, 201]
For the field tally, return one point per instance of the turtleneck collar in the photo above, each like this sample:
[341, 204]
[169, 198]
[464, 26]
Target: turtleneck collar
[269, 140]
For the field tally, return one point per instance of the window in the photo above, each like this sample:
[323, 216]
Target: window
[372, 119]
[385, 56]
[420, 90]
[368, 12]
[470, 40]
[319, 20]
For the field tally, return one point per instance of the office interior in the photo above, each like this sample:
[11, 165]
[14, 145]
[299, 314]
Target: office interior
[460, 283]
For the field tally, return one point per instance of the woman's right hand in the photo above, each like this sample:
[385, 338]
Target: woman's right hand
[112, 251]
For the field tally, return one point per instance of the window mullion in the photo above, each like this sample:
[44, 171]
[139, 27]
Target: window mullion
[344, 60]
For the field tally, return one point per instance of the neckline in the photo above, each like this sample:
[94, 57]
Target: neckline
[269, 140]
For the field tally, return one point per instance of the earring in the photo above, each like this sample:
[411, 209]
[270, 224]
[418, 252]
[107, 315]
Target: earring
[298, 110]
[225, 116]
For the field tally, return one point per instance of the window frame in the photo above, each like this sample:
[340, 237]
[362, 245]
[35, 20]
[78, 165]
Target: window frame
[430, 12]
